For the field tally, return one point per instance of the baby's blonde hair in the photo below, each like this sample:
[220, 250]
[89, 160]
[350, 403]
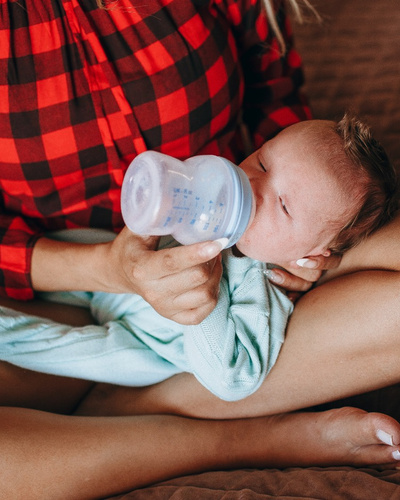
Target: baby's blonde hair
[371, 168]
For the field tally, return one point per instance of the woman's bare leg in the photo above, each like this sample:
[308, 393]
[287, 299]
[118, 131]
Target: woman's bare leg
[63, 457]
[45, 455]
[343, 339]
[57, 456]
[328, 354]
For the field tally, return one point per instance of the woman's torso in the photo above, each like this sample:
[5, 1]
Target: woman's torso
[84, 90]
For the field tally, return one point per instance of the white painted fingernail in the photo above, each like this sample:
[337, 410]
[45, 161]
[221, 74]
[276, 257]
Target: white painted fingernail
[384, 437]
[212, 248]
[222, 242]
[309, 264]
[273, 276]
[396, 455]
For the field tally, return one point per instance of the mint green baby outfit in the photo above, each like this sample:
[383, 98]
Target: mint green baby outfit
[230, 352]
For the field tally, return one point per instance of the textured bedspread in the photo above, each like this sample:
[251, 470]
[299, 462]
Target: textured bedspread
[333, 483]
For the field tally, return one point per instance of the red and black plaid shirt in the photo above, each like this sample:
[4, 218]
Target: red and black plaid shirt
[84, 90]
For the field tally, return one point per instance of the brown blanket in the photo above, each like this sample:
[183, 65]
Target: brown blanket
[351, 61]
[332, 483]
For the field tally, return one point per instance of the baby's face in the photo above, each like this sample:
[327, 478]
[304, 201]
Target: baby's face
[296, 196]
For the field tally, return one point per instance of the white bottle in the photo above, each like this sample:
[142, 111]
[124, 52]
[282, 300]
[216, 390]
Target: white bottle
[202, 198]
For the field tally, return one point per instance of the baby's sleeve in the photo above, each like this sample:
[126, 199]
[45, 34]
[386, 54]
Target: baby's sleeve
[234, 348]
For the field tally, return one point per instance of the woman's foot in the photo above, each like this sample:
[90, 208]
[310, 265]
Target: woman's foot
[343, 436]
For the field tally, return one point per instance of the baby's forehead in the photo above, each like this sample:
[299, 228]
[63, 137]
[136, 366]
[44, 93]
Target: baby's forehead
[315, 128]
[328, 199]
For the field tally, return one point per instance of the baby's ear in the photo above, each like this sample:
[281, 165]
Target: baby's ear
[321, 252]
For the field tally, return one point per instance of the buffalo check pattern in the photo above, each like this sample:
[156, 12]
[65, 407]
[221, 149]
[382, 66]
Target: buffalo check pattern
[84, 90]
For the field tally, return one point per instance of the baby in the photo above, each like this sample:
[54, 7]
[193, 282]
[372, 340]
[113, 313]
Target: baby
[320, 187]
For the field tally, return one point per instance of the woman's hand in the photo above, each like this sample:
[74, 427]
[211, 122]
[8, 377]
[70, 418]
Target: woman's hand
[180, 283]
[298, 277]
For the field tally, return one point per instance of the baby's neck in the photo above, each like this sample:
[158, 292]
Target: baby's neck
[236, 252]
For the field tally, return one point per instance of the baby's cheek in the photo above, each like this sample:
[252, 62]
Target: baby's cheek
[250, 246]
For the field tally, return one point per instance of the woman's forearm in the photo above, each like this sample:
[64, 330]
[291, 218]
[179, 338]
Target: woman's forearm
[60, 266]
[180, 283]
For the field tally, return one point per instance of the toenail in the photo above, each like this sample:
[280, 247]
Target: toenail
[384, 437]
[396, 455]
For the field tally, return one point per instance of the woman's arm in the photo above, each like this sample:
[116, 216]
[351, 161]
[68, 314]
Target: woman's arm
[172, 280]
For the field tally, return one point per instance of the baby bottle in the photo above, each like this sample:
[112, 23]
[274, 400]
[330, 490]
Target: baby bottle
[202, 198]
